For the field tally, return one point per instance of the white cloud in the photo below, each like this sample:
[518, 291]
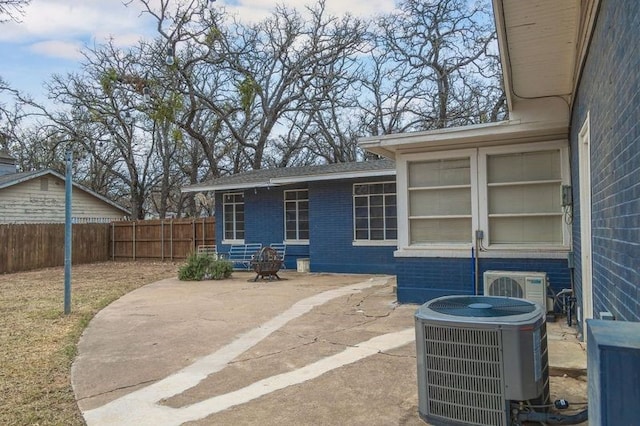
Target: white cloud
[58, 49]
[54, 19]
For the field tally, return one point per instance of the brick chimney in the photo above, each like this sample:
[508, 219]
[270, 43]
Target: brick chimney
[7, 164]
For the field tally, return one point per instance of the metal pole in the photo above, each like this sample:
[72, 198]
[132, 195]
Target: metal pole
[68, 184]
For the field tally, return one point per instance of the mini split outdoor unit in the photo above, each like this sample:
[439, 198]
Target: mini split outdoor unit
[526, 285]
[478, 357]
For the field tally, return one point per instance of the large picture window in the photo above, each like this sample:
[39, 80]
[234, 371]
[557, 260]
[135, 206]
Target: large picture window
[233, 208]
[296, 215]
[375, 211]
[511, 193]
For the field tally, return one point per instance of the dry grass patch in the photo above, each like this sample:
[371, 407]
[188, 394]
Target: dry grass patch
[38, 342]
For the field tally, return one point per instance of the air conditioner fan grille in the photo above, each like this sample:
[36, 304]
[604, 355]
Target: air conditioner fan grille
[505, 286]
[481, 306]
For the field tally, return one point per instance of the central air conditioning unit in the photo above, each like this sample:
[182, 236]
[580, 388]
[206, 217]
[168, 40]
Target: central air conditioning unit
[479, 356]
[526, 285]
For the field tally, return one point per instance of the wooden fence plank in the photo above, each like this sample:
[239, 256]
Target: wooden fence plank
[35, 246]
[160, 239]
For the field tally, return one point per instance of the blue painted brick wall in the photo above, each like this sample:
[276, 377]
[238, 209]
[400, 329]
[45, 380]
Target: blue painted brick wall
[331, 232]
[330, 246]
[609, 91]
[422, 279]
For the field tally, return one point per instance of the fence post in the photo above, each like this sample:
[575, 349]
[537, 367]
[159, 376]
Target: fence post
[162, 239]
[113, 241]
[171, 238]
[134, 240]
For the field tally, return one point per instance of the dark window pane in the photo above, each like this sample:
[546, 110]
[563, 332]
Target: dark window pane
[392, 234]
[377, 223]
[303, 205]
[361, 201]
[362, 235]
[391, 222]
[377, 234]
[376, 200]
[304, 234]
[362, 223]
[361, 189]
[390, 200]
[376, 189]
[303, 215]
[389, 188]
[362, 212]
[376, 212]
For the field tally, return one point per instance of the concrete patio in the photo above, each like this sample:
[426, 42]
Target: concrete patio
[308, 349]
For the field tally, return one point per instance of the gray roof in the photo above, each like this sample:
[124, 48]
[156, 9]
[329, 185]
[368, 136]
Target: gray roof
[288, 175]
[16, 178]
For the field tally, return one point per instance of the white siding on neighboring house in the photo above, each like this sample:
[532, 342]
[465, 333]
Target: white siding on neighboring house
[42, 200]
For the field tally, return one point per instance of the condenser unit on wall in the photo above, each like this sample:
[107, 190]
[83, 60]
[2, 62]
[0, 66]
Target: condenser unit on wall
[526, 285]
[478, 358]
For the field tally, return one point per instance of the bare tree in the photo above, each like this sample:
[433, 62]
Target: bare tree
[12, 9]
[433, 68]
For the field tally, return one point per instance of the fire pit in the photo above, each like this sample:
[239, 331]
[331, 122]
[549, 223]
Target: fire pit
[266, 263]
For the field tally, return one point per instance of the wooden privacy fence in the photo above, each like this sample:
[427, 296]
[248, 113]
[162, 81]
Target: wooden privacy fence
[160, 239]
[33, 246]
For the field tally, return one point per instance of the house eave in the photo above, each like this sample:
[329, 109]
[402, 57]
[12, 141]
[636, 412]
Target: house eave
[289, 180]
[493, 134]
[334, 176]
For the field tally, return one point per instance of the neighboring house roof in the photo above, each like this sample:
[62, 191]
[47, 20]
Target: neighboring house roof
[16, 178]
[289, 175]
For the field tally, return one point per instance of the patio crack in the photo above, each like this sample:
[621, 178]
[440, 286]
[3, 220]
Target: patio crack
[119, 388]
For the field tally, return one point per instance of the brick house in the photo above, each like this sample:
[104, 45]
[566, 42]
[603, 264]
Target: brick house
[342, 217]
[573, 90]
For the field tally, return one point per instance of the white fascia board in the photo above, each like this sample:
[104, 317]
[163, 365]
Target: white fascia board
[290, 180]
[227, 187]
[503, 49]
[333, 176]
[504, 132]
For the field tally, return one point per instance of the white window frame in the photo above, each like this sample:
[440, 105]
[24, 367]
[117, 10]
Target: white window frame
[224, 222]
[403, 198]
[370, 242]
[285, 201]
[479, 207]
[484, 196]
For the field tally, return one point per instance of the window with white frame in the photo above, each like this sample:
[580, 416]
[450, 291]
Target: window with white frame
[524, 198]
[375, 211]
[440, 201]
[233, 211]
[512, 193]
[296, 215]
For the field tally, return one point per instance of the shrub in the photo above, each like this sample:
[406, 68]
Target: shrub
[221, 269]
[203, 266]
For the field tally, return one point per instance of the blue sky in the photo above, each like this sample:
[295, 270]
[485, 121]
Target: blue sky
[52, 32]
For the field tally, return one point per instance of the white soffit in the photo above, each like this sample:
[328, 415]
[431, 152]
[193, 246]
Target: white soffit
[541, 38]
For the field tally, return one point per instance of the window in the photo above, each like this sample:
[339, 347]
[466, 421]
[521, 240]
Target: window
[440, 201]
[233, 208]
[374, 211]
[524, 204]
[512, 193]
[296, 215]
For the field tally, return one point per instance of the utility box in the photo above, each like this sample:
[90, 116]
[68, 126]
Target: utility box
[613, 362]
